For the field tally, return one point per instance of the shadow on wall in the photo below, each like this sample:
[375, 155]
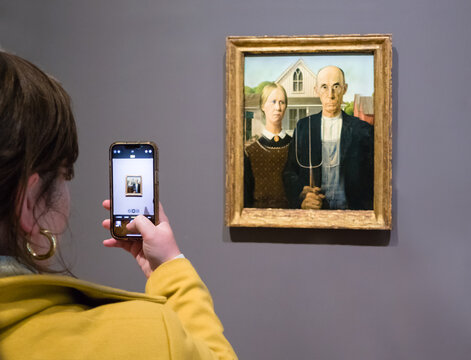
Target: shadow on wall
[311, 236]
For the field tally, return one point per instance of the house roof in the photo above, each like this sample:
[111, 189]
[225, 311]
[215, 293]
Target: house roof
[298, 63]
[293, 101]
[366, 105]
[253, 101]
[356, 99]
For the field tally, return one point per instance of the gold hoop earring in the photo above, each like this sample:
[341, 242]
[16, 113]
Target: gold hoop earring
[52, 248]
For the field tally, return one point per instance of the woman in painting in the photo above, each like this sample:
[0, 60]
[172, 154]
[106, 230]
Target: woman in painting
[265, 158]
[46, 316]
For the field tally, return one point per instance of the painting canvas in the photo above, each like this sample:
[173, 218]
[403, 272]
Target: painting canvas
[267, 182]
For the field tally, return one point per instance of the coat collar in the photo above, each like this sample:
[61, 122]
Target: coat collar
[345, 136]
[9, 266]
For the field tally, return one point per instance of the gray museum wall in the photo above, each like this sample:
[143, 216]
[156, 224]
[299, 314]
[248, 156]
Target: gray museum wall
[155, 70]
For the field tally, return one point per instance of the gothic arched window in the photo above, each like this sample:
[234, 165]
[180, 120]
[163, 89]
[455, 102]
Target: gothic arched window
[297, 81]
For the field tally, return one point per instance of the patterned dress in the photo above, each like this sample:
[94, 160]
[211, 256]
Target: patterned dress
[264, 162]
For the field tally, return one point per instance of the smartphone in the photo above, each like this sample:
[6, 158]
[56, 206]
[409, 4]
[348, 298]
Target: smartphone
[134, 185]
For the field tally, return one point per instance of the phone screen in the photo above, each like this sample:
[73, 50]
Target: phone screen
[133, 185]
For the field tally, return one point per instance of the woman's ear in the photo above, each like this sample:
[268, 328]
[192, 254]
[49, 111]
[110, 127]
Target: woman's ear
[27, 219]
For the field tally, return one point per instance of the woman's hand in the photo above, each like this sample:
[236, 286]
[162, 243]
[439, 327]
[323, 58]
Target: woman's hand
[157, 245]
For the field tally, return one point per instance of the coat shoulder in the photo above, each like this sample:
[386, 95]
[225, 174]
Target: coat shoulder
[357, 122]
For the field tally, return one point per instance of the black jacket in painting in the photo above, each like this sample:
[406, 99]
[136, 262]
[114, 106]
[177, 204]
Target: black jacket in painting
[356, 160]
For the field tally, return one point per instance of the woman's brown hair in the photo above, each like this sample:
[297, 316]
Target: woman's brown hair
[37, 135]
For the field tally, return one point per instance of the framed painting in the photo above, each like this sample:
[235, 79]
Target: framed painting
[308, 131]
[133, 185]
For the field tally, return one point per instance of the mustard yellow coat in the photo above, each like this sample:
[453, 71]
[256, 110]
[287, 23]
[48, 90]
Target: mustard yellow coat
[51, 317]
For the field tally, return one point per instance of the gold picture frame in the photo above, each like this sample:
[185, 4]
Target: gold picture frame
[240, 47]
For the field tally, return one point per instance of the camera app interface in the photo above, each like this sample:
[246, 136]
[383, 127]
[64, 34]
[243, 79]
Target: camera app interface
[133, 185]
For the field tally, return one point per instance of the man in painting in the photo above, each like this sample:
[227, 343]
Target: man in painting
[330, 159]
[137, 185]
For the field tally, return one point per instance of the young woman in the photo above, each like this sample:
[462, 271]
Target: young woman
[44, 316]
[265, 158]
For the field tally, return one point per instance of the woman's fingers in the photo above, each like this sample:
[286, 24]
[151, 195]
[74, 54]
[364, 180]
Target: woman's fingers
[106, 224]
[107, 204]
[157, 245]
[110, 243]
[126, 245]
[141, 225]
[162, 216]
